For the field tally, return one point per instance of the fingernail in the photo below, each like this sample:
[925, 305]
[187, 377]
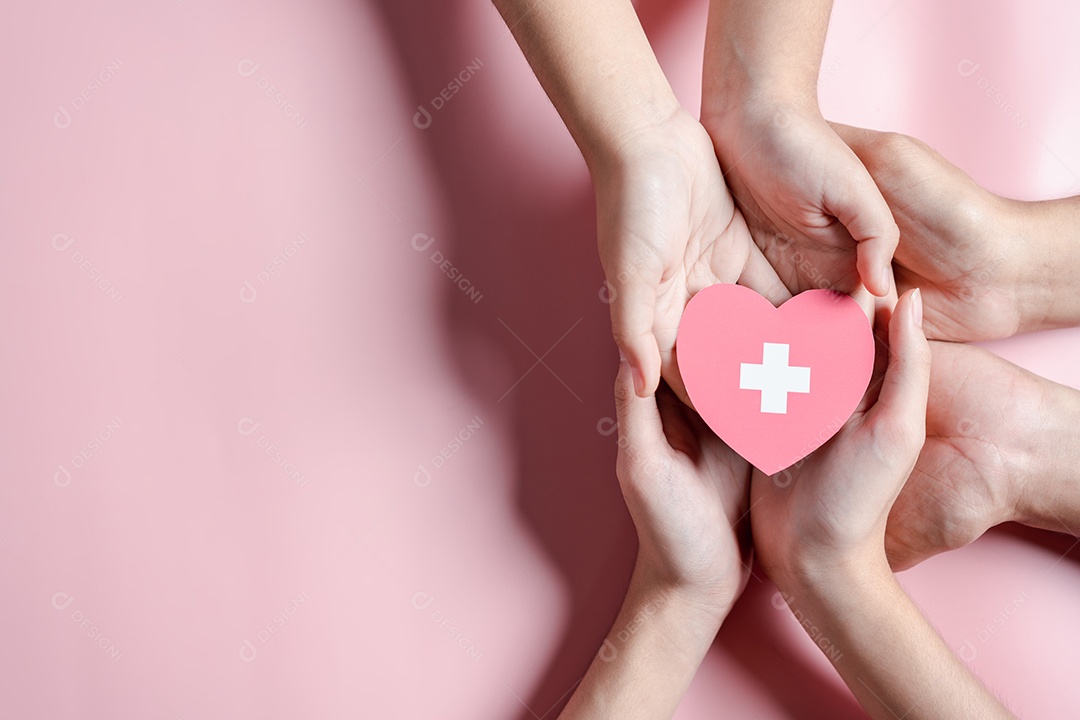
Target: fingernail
[639, 382]
[886, 277]
[916, 307]
[622, 357]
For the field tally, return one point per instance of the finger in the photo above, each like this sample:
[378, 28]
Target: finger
[860, 140]
[861, 209]
[759, 276]
[632, 313]
[641, 432]
[900, 411]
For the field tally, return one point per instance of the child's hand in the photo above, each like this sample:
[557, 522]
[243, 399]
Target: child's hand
[667, 227]
[687, 493]
[830, 510]
[809, 202]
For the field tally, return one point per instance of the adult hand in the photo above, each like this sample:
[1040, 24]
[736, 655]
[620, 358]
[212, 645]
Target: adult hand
[989, 267]
[999, 447]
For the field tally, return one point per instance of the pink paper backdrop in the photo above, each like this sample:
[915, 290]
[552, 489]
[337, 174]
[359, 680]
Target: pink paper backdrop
[307, 407]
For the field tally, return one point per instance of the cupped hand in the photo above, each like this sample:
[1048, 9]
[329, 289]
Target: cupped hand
[959, 240]
[830, 509]
[982, 416]
[667, 228]
[687, 494]
[811, 205]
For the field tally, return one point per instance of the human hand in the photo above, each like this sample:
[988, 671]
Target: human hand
[810, 204]
[687, 493]
[668, 228]
[998, 442]
[829, 510]
[819, 529]
[989, 267]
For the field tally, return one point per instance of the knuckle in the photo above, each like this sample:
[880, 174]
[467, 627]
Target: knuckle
[892, 146]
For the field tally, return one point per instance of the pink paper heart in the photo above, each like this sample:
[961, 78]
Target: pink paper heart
[774, 383]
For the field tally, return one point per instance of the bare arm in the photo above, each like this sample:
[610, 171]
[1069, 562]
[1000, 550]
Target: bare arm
[596, 66]
[820, 534]
[648, 659]
[687, 494]
[887, 652]
[1050, 262]
[666, 224]
[763, 51]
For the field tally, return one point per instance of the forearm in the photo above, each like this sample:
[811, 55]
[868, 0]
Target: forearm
[1050, 262]
[647, 661]
[888, 654]
[597, 67]
[1049, 493]
[762, 52]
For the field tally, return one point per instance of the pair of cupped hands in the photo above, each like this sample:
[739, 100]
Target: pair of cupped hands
[783, 203]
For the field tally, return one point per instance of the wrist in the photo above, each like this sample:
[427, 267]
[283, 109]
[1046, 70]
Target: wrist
[619, 149]
[698, 612]
[826, 575]
[741, 107]
[826, 602]
[744, 74]
[1046, 261]
[1047, 495]
[631, 105]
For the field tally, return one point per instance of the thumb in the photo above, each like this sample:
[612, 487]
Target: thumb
[900, 411]
[632, 311]
[858, 205]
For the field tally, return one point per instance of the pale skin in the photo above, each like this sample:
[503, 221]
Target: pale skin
[1002, 443]
[820, 534]
[810, 205]
[821, 538]
[687, 494]
[667, 224]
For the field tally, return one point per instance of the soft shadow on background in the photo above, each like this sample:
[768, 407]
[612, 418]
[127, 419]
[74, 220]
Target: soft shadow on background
[535, 257]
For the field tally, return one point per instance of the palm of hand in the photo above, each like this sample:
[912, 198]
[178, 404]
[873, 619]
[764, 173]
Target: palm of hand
[668, 228]
[690, 506]
[967, 472]
[819, 501]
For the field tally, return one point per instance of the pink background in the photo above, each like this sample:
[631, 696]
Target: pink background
[143, 566]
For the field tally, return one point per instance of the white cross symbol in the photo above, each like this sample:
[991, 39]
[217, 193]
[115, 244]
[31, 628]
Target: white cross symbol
[774, 378]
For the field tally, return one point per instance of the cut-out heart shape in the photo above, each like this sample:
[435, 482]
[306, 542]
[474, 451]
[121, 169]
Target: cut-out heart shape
[774, 383]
